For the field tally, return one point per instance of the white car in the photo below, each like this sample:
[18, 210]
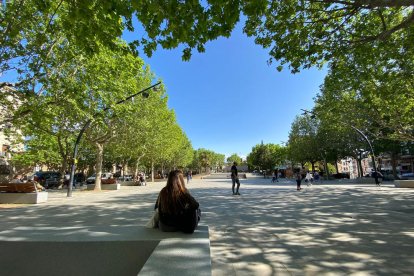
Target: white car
[91, 179]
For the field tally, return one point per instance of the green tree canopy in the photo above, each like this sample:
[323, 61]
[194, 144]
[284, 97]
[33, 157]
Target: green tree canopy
[298, 33]
[266, 156]
[234, 158]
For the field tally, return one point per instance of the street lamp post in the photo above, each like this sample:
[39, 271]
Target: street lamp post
[372, 153]
[87, 124]
[365, 138]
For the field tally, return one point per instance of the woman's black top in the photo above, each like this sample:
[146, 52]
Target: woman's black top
[185, 218]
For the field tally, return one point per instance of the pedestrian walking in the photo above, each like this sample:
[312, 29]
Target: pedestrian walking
[235, 179]
[316, 176]
[277, 175]
[309, 179]
[298, 177]
[189, 176]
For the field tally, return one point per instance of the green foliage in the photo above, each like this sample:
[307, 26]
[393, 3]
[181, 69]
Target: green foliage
[372, 90]
[206, 159]
[303, 141]
[86, 89]
[300, 34]
[303, 34]
[234, 158]
[266, 156]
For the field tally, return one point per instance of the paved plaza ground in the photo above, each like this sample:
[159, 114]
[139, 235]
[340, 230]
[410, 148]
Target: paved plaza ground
[271, 229]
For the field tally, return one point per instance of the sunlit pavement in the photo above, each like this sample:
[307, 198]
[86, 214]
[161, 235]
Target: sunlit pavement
[271, 229]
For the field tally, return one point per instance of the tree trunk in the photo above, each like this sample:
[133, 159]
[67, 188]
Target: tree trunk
[152, 171]
[394, 165]
[326, 169]
[359, 165]
[99, 161]
[63, 171]
[313, 166]
[336, 166]
[137, 167]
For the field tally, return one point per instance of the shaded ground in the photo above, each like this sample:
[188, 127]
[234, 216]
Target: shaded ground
[271, 229]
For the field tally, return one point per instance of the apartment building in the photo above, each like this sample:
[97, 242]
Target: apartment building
[7, 146]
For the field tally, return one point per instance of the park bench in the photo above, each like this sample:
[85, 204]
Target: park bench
[26, 193]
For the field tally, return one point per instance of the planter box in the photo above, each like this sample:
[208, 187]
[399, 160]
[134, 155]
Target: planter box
[22, 193]
[115, 186]
[404, 183]
[23, 198]
[128, 183]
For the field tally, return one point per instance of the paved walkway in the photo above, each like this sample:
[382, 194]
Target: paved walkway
[271, 229]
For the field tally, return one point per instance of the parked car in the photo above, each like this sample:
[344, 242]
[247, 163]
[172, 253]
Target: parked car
[104, 176]
[341, 175]
[407, 175]
[48, 179]
[79, 178]
[126, 178]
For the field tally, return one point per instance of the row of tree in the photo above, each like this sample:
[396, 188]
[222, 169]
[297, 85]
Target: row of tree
[368, 88]
[78, 90]
[71, 78]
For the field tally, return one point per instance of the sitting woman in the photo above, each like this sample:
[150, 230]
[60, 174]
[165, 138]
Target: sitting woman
[178, 210]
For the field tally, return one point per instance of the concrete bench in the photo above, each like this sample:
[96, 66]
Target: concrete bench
[104, 250]
[181, 255]
[404, 183]
[21, 193]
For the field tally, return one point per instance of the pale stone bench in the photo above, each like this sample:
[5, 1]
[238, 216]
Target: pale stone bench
[188, 254]
[104, 250]
[21, 193]
[404, 183]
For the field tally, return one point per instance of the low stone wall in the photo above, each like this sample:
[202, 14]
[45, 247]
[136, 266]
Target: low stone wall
[128, 183]
[404, 183]
[115, 186]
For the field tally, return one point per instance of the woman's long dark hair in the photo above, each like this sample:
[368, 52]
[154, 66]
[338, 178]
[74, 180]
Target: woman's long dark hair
[172, 196]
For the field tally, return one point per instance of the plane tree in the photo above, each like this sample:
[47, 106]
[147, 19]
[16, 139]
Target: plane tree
[234, 158]
[299, 33]
[266, 156]
[303, 140]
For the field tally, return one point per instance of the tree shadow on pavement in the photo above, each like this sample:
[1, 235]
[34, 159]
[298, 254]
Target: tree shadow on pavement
[268, 230]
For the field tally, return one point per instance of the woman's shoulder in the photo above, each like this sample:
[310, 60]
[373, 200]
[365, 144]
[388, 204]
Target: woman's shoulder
[190, 199]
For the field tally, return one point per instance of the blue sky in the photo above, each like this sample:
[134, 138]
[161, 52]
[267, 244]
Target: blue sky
[229, 99]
